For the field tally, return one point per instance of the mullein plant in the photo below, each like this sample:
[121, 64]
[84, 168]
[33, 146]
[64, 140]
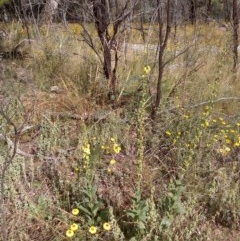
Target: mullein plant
[94, 215]
[137, 214]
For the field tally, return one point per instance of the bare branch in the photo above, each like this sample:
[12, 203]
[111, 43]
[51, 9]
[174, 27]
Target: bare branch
[11, 153]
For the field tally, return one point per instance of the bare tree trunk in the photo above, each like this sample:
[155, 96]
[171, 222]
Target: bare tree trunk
[102, 21]
[192, 11]
[163, 39]
[235, 33]
[49, 11]
[103, 16]
[209, 8]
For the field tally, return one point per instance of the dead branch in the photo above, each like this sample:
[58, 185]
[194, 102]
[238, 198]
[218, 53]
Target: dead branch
[12, 150]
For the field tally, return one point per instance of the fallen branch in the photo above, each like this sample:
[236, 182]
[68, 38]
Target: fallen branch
[10, 144]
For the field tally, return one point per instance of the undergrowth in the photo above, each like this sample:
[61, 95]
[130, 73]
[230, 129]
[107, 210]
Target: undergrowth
[83, 170]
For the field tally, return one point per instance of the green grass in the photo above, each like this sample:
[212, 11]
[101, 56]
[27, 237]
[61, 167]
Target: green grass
[175, 180]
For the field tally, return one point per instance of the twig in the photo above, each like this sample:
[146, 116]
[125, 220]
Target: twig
[11, 153]
[10, 144]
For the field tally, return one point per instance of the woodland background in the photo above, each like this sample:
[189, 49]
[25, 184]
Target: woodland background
[119, 120]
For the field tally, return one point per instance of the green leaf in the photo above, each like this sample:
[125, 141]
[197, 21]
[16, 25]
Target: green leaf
[141, 225]
[95, 209]
[132, 215]
[84, 210]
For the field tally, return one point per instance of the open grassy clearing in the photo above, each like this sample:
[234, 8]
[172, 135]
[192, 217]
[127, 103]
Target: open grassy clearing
[179, 181]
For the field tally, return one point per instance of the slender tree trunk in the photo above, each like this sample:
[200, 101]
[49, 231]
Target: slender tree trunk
[163, 39]
[209, 8]
[235, 33]
[192, 11]
[102, 21]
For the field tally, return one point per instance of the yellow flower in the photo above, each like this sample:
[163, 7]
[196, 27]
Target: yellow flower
[112, 162]
[109, 170]
[220, 150]
[228, 141]
[168, 133]
[227, 149]
[75, 211]
[69, 233]
[112, 139]
[74, 227]
[106, 226]
[236, 144]
[85, 156]
[92, 230]
[86, 149]
[116, 148]
[147, 69]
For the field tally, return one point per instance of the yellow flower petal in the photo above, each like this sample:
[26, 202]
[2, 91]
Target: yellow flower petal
[112, 162]
[92, 230]
[69, 233]
[75, 211]
[116, 148]
[147, 69]
[168, 133]
[74, 227]
[106, 226]
[86, 149]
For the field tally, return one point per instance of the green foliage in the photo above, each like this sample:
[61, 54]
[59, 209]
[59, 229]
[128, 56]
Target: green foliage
[40, 209]
[137, 215]
[92, 206]
[172, 205]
